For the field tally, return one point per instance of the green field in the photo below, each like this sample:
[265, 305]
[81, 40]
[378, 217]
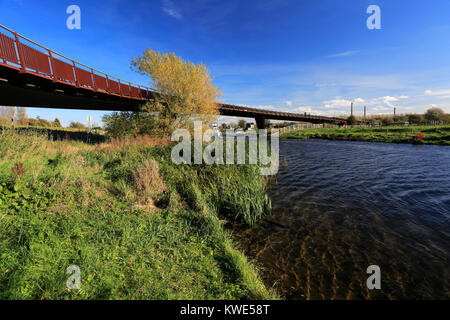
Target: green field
[138, 226]
[439, 135]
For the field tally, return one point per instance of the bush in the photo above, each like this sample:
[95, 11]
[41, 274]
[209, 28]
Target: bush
[351, 120]
[434, 114]
[4, 122]
[40, 123]
[386, 121]
[77, 125]
[57, 123]
[120, 124]
[147, 180]
[415, 118]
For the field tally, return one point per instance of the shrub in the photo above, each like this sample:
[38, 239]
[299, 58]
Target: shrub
[77, 125]
[57, 123]
[119, 124]
[414, 118]
[434, 114]
[386, 121]
[39, 123]
[4, 122]
[351, 120]
[147, 180]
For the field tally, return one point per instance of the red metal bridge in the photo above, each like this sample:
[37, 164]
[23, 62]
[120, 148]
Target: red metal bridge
[32, 75]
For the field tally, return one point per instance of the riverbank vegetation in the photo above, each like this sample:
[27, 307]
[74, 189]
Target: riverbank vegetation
[431, 116]
[439, 135]
[17, 117]
[138, 226]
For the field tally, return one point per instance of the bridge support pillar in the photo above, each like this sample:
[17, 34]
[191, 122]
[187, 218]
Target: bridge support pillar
[261, 122]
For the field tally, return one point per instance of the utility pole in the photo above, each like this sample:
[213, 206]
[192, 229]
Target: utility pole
[395, 111]
[89, 119]
[365, 112]
[351, 112]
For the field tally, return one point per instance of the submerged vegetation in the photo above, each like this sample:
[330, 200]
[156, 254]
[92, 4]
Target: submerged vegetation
[394, 134]
[138, 226]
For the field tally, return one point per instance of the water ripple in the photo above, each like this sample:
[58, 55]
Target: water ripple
[348, 205]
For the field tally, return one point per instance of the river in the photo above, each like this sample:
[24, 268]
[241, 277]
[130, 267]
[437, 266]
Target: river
[341, 206]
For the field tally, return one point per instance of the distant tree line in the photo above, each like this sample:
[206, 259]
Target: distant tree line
[431, 115]
[20, 118]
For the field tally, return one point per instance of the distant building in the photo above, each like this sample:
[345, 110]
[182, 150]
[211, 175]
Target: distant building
[401, 123]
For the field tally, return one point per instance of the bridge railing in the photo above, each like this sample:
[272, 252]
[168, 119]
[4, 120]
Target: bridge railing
[27, 56]
[269, 113]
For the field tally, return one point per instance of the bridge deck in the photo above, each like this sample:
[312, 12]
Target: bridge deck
[32, 75]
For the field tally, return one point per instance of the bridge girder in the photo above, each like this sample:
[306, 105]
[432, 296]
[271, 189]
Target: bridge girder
[29, 90]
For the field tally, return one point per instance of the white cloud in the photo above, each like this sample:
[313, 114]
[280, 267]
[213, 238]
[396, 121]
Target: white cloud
[288, 103]
[329, 104]
[389, 104]
[344, 54]
[341, 103]
[388, 98]
[318, 112]
[437, 93]
[170, 9]
[380, 108]
[303, 109]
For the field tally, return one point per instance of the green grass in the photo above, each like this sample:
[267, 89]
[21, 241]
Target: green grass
[62, 133]
[439, 135]
[65, 203]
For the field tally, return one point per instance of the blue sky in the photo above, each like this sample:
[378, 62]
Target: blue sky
[304, 56]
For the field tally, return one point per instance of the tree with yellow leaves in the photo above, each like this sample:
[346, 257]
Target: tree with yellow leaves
[21, 116]
[184, 90]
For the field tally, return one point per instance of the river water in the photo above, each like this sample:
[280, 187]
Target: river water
[341, 206]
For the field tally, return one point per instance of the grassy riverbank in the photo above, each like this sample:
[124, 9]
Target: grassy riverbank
[138, 226]
[439, 135]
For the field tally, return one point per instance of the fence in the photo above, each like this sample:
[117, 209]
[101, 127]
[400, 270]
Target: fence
[303, 126]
